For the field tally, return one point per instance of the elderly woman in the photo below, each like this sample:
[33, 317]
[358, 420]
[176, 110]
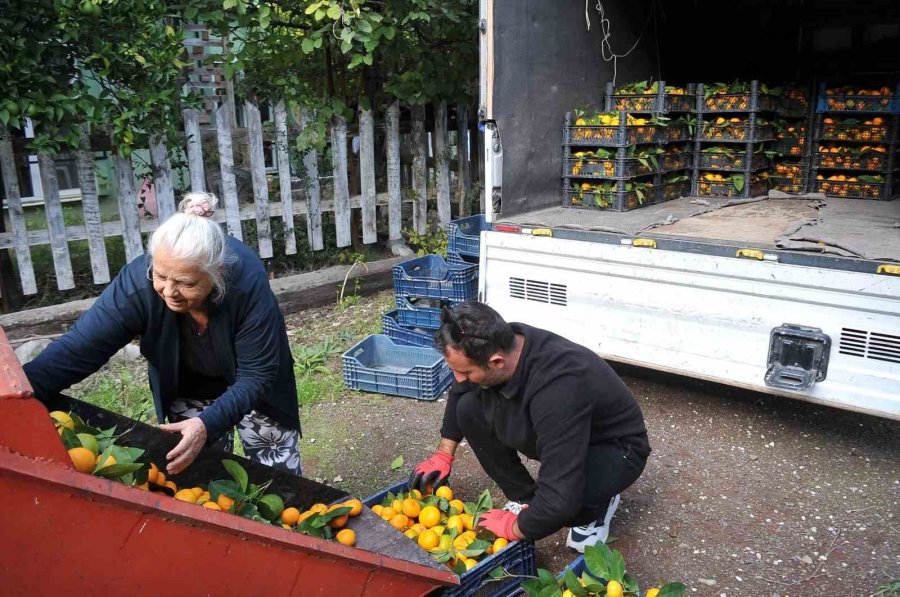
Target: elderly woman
[213, 336]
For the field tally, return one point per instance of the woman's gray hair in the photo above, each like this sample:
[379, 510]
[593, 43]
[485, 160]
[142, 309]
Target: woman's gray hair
[191, 235]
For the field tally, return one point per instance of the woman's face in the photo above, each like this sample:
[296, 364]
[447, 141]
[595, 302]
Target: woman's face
[182, 284]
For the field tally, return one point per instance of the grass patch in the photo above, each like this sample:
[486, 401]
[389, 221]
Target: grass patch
[121, 388]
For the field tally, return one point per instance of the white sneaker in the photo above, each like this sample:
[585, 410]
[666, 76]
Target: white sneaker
[593, 533]
[515, 507]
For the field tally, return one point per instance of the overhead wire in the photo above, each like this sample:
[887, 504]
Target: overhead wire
[606, 51]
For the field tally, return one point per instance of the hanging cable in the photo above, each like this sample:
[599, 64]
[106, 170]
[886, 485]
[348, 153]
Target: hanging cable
[606, 51]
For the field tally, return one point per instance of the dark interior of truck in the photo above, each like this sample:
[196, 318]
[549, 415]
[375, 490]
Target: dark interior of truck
[550, 57]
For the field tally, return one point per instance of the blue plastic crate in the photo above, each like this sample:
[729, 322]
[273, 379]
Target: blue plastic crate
[416, 315]
[432, 277]
[378, 364]
[457, 259]
[860, 104]
[517, 559]
[391, 327]
[464, 235]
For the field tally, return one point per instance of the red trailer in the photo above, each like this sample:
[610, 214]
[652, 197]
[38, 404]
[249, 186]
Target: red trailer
[65, 531]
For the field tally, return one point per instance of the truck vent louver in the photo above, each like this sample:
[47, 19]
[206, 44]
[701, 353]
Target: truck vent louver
[870, 345]
[538, 291]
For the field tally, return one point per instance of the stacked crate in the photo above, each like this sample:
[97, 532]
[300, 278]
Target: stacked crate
[403, 361]
[856, 143]
[672, 107]
[793, 127]
[733, 133]
[614, 160]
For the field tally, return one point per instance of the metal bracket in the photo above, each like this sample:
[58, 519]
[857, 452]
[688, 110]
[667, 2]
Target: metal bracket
[798, 357]
[482, 25]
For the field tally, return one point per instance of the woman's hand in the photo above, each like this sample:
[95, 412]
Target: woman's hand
[193, 438]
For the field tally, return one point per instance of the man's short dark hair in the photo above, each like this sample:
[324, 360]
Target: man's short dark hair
[476, 330]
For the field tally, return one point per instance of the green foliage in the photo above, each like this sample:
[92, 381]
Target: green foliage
[433, 242]
[603, 565]
[105, 63]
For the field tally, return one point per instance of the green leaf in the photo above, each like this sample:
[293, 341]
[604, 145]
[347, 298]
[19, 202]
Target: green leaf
[237, 473]
[617, 567]
[630, 584]
[270, 506]
[595, 562]
[312, 8]
[738, 182]
[229, 4]
[364, 25]
[228, 487]
[114, 471]
[389, 32]
[546, 577]
[497, 572]
[672, 589]
[345, 47]
[70, 439]
[334, 12]
[396, 463]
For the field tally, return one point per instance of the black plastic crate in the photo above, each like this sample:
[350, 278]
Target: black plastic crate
[734, 161]
[792, 147]
[608, 200]
[609, 136]
[608, 168]
[860, 133]
[676, 160]
[793, 103]
[674, 133]
[754, 100]
[844, 160]
[706, 188]
[851, 100]
[883, 191]
[786, 184]
[743, 132]
[669, 191]
[790, 169]
[651, 102]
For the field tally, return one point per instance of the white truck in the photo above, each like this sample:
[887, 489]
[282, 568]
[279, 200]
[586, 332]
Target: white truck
[796, 297]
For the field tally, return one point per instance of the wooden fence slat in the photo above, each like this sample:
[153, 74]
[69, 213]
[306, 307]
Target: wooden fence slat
[284, 178]
[393, 171]
[162, 179]
[16, 214]
[260, 182]
[128, 209]
[226, 167]
[367, 175]
[56, 224]
[419, 169]
[90, 206]
[114, 229]
[313, 190]
[442, 162]
[340, 183]
[463, 169]
[194, 150]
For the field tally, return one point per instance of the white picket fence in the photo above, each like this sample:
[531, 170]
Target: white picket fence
[131, 224]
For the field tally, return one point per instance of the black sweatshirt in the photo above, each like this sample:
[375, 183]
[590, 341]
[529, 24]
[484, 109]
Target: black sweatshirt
[562, 398]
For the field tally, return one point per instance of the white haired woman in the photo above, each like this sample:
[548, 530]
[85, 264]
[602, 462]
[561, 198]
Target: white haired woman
[213, 336]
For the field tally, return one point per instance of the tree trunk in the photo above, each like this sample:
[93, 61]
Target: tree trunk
[442, 162]
[419, 170]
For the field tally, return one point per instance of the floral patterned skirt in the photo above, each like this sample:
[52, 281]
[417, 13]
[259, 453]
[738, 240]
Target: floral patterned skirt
[265, 440]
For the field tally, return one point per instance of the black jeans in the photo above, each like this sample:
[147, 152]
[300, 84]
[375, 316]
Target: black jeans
[610, 468]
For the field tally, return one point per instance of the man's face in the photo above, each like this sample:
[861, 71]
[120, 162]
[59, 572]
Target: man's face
[464, 369]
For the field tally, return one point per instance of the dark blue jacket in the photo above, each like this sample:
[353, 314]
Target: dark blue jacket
[248, 335]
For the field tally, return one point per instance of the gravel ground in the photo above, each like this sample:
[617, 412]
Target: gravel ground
[744, 494]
